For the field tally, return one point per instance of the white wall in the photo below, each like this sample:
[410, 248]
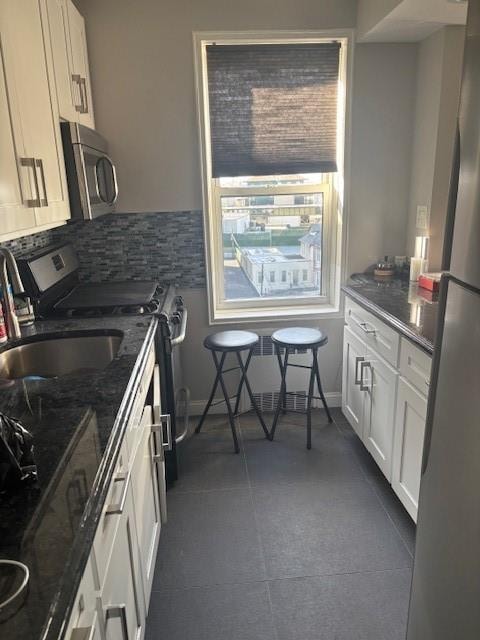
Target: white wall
[437, 94]
[143, 83]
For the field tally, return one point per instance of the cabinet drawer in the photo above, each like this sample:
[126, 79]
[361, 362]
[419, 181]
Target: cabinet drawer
[415, 366]
[384, 340]
[133, 429]
[107, 527]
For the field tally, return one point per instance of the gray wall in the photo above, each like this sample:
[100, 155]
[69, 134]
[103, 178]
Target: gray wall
[141, 58]
[437, 94]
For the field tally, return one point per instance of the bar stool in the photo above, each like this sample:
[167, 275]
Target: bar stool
[226, 342]
[291, 339]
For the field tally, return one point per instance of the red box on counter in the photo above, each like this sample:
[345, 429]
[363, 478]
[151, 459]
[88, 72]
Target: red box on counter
[430, 281]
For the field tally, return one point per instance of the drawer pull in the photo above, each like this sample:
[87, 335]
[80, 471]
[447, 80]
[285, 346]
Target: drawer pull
[366, 329]
[363, 366]
[357, 360]
[118, 507]
[158, 427]
[118, 611]
[31, 163]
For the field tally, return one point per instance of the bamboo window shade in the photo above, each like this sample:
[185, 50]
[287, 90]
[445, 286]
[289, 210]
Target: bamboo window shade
[273, 108]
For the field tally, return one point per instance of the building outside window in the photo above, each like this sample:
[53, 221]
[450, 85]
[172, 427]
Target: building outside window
[273, 182]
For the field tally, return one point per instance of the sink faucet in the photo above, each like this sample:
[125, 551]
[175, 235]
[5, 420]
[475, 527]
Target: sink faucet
[8, 267]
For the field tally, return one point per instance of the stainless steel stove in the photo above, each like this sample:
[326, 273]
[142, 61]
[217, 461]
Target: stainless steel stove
[51, 279]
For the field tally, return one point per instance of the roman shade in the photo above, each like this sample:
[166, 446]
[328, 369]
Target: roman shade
[273, 108]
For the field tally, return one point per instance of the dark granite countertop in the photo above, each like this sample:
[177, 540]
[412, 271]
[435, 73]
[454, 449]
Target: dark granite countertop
[78, 422]
[409, 310]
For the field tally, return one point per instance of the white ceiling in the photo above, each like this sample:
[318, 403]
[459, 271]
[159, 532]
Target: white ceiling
[414, 20]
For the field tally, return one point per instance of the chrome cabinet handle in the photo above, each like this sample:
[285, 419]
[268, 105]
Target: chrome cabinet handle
[34, 202]
[39, 164]
[162, 421]
[363, 366]
[118, 611]
[117, 508]
[357, 360]
[83, 93]
[363, 325]
[77, 78]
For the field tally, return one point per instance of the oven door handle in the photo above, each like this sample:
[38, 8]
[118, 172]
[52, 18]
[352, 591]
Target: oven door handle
[183, 329]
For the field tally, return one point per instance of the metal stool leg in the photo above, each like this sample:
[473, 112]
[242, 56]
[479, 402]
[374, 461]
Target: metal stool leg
[214, 388]
[242, 379]
[227, 400]
[244, 368]
[319, 385]
[309, 405]
[283, 387]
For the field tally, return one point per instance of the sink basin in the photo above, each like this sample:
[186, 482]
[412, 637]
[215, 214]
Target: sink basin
[50, 356]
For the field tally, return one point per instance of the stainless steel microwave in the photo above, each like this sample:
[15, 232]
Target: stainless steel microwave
[91, 175]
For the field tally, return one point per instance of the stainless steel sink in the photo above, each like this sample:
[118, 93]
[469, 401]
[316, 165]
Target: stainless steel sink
[50, 356]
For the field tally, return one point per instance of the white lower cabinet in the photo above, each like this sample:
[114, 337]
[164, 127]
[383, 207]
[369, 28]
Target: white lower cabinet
[381, 382]
[122, 600]
[386, 405]
[147, 494]
[408, 445]
[353, 397]
[368, 398]
[112, 602]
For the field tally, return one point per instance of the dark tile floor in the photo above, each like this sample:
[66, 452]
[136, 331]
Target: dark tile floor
[281, 543]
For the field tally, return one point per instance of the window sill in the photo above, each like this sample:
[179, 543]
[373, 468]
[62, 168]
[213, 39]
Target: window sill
[238, 316]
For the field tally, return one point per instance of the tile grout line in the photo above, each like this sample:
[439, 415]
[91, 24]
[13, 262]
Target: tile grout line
[374, 491]
[260, 543]
[283, 579]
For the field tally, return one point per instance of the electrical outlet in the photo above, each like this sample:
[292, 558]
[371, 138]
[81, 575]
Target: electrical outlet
[423, 217]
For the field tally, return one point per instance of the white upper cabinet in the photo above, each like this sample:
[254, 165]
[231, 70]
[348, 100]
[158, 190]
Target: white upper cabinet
[35, 127]
[79, 62]
[66, 36]
[15, 187]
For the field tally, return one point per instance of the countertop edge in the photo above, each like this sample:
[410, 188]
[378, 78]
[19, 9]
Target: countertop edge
[391, 320]
[61, 608]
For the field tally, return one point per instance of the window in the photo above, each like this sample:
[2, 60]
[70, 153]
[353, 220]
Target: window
[272, 129]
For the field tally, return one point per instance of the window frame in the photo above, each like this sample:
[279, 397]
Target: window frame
[333, 186]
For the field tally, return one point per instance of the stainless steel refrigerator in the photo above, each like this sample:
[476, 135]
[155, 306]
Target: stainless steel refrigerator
[445, 598]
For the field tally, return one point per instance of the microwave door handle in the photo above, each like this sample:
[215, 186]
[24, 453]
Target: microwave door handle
[115, 183]
[114, 177]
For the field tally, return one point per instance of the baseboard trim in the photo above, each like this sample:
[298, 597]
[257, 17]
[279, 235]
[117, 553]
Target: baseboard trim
[334, 399]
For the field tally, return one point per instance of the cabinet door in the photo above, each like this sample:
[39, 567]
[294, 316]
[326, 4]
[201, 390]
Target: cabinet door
[26, 69]
[410, 419]
[146, 498]
[84, 623]
[122, 595]
[15, 191]
[354, 352]
[79, 55]
[55, 16]
[381, 380]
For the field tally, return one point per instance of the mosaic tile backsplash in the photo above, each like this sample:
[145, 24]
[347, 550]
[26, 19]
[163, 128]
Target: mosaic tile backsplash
[167, 247]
